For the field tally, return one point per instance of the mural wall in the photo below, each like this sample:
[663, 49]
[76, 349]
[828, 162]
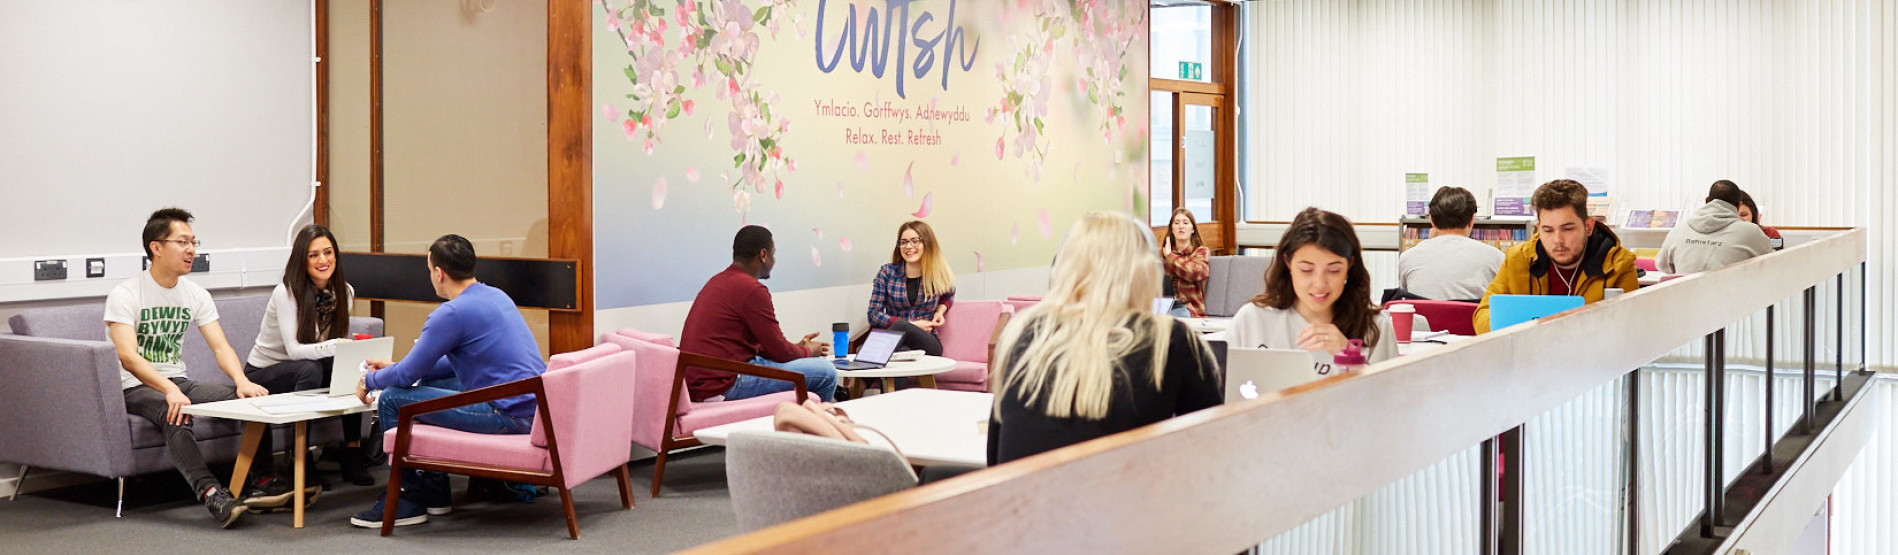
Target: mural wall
[832, 122]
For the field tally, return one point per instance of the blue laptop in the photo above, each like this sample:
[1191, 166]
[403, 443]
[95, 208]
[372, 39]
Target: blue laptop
[1509, 310]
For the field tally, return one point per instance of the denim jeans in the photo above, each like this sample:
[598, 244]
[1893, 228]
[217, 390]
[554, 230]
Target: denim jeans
[820, 377]
[479, 418]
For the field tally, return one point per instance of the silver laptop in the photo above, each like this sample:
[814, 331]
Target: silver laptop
[347, 367]
[875, 352]
[1251, 373]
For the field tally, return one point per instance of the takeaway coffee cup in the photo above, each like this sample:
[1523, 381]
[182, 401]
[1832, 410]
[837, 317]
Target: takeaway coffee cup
[1402, 316]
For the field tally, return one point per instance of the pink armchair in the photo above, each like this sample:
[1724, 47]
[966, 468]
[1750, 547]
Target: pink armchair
[664, 417]
[968, 337]
[581, 430]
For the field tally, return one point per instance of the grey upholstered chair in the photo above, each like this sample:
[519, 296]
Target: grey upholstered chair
[777, 477]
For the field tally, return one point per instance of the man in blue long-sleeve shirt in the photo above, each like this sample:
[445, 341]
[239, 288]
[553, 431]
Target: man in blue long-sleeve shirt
[477, 339]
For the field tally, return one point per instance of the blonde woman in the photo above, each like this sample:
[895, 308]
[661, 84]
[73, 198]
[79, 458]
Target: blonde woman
[1091, 359]
[913, 292]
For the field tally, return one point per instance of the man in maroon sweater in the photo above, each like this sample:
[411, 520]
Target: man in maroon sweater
[733, 319]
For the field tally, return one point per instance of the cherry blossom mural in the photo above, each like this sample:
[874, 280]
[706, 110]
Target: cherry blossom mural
[848, 118]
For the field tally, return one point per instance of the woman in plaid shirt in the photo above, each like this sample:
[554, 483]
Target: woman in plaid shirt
[914, 290]
[1186, 262]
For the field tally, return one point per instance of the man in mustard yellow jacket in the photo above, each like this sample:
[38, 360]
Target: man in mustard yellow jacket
[1569, 254]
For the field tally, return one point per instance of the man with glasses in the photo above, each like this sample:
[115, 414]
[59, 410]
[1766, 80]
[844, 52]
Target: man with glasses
[733, 319]
[146, 318]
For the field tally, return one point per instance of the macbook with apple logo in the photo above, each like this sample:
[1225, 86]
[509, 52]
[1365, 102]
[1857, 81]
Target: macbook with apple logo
[1251, 373]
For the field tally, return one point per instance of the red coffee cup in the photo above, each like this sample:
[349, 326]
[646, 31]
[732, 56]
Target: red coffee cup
[1402, 316]
[359, 336]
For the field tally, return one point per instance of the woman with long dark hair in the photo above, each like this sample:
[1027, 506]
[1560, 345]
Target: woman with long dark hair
[296, 345]
[1317, 294]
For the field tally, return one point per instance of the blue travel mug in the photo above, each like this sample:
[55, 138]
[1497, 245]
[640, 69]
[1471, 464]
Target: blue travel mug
[839, 338]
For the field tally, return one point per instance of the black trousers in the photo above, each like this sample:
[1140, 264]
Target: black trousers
[915, 338]
[181, 444]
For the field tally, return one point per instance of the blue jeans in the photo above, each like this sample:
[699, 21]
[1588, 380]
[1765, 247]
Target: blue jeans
[820, 377]
[479, 418]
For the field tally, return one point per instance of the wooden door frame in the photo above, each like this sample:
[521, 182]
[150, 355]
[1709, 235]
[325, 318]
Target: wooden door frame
[1225, 70]
[569, 151]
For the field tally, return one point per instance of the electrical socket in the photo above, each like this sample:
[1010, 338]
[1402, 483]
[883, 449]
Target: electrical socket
[46, 270]
[95, 267]
[201, 264]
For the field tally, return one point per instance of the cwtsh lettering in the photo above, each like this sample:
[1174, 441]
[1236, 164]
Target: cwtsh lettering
[906, 32]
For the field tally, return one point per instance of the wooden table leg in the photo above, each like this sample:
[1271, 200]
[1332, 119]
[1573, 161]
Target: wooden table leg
[928, 381]
[303, 451]
[246, 452]
[889, 385]
[856, 388]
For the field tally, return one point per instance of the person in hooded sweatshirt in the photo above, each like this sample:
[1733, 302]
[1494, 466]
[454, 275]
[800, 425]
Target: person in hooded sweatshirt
[1713, 236]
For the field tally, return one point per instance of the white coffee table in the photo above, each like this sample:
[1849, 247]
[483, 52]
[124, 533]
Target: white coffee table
[924, 369]
[255, 420]
[930, 426]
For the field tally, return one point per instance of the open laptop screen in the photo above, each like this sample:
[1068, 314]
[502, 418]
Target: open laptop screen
[879, 346]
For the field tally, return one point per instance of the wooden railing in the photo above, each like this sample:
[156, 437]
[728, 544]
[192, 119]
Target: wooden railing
[1223, 479]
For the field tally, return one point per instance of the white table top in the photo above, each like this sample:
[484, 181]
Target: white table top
[925, 365]
[930, 426]
[246, 410]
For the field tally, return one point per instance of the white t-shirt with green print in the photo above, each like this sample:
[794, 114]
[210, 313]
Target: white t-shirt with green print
[161, 317]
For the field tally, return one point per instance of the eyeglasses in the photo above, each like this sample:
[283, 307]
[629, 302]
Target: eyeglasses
[909, 242]
[182, 243]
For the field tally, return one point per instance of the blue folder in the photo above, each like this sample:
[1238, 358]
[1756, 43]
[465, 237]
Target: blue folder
[1509, 310]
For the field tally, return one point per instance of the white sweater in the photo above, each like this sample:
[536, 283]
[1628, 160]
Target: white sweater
[1257, 327]
[277, 335]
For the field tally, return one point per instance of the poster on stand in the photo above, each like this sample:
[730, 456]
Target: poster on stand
[1417, 194]
[1515, 181]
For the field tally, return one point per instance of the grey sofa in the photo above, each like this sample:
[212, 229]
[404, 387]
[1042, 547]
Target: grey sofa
[63, 409]
[1233, 280]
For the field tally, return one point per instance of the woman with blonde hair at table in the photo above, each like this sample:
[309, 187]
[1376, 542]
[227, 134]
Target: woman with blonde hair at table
[912, 294]
[1092, 359]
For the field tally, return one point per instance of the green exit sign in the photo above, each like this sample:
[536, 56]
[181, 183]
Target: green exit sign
[1193, 70]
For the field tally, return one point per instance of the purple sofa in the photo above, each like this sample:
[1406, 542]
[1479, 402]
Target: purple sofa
[63, 409]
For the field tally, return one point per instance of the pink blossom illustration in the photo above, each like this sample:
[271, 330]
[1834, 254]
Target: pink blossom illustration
[692, 174]
[845, 243]
[1014, 233]
[863, 161]
[659, 193]
[1047, 226]
[818, 232]
[923, 212]
[608, 111]
[956, 159]
[631, 127]
[817, 259]
[673, 44]
[909, 183]
[840, 189]
[978, 261]
[780, 189]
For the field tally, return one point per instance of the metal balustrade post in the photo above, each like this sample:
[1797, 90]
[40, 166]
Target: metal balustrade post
[1509, 536]
[1632, 503]
[1768, 467]
[1487, 514]
[1806, 402]
[1838, 356]
[1708, 491]
[1719, 476]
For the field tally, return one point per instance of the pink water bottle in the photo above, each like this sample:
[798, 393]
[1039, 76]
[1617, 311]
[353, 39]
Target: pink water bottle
[1351, 358]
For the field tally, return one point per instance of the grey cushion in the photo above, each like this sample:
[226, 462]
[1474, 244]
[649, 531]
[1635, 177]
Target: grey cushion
[777, 477]
[83, 323]
[1234, 280]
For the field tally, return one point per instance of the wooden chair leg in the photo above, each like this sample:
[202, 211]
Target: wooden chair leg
[659, 467]
[566, 502]
[625, 485]
[392, 499]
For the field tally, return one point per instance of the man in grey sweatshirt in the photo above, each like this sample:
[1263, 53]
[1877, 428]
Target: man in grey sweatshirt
[1713, 236]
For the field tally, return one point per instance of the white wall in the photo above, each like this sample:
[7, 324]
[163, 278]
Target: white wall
[115, 109]
[1796, 101]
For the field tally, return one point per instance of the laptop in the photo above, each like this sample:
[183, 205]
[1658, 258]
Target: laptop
[1162, 305]
[1509, 310]
[875, 352]
[1254, 372]
[346, 369]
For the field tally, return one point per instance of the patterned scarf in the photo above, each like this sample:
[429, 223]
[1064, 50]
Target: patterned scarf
[325, 311]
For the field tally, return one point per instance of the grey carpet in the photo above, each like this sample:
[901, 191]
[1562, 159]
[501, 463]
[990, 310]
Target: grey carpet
[695, 508]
